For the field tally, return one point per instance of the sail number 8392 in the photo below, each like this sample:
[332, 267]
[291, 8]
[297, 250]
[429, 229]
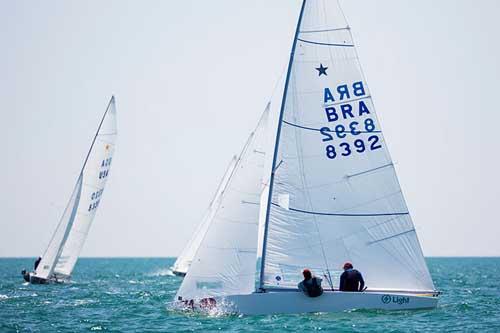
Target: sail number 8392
[359, 146]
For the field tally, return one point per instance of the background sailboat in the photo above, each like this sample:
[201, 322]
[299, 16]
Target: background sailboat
[333, 193]
[184, 260]
[67, 241]
[229, 247]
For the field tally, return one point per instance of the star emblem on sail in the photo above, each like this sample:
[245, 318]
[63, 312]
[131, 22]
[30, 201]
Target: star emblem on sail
[321, 70]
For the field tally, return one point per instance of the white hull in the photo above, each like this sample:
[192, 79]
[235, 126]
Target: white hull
[296, 302]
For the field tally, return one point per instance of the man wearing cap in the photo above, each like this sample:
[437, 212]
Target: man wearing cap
[311, 285]
[351, 279]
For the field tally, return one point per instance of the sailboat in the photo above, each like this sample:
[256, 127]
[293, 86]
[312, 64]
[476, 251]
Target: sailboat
[59, 259]
[332, 196]
[184, 260]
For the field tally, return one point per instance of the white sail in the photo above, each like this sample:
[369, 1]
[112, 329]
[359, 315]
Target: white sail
[225, 262]
[335, 196]
[184, 260]
[66, 244]
[46, 266]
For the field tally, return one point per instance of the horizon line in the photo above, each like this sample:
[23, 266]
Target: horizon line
[174, 257]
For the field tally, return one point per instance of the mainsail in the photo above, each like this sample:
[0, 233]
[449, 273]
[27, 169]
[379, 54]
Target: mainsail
[184, 260]
[334, 193]
[225, 262]
[63, 250]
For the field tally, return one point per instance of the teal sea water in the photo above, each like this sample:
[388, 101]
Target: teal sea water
[133, 295]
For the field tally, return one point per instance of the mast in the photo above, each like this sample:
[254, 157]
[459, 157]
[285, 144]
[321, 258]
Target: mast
[275, 155]
[97, 132]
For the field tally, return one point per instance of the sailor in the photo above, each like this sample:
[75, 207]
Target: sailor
[26, 275]
[37, 262]
[351, 279]
[311, 285]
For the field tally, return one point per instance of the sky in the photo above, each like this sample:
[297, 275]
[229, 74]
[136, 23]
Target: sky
[191, 79]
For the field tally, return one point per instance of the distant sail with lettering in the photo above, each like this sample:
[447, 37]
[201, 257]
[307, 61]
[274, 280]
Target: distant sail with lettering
[183, 262]
[331, 194]
[64, 248]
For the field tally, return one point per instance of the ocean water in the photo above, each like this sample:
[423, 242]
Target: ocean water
[133, 295]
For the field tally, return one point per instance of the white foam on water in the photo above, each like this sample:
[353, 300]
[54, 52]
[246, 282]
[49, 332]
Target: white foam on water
[162, 272]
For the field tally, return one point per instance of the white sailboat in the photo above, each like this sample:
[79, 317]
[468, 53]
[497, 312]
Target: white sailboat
[184, 260]
[333, 196]
[61, 255]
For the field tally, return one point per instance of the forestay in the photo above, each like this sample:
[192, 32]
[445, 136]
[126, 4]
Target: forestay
[73, 229]
[334, 194]
[53, 252]
[184, 260]
[225, 262]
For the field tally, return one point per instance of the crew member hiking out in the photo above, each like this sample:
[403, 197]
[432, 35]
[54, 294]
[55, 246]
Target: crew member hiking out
[351, 279]
[311, 285]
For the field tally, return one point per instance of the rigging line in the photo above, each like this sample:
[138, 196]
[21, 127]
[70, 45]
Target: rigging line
[249, 203]
[323, 30]
[325, 129]
[221, 186]
[232, 221]
[113, 133]
[324, 44]
[111, 102]
[389, 237]
[344, 214]
[95, 187]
